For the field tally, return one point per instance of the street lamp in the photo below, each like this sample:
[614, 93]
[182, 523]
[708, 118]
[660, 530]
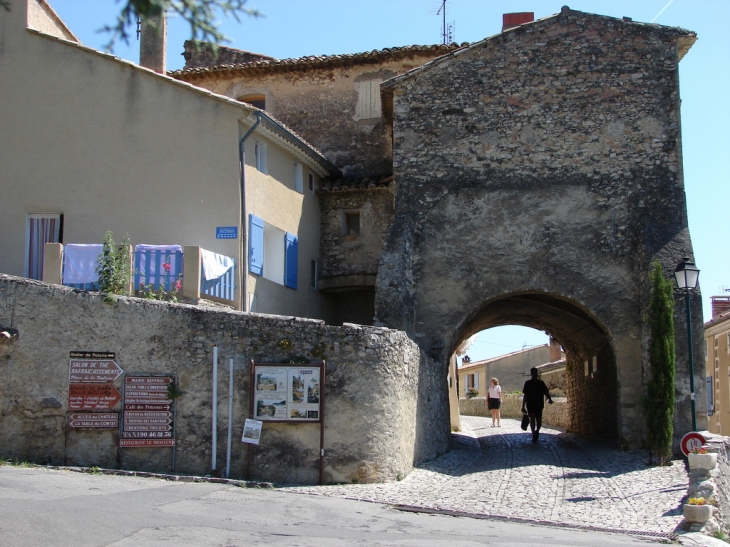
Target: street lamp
[686, 276]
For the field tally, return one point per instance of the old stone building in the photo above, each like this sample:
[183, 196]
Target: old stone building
[536, 175]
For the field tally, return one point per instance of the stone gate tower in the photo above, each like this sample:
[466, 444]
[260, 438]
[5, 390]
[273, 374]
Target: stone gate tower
[538, 176]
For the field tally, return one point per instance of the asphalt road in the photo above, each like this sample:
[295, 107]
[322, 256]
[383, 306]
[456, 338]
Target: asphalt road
[44, 507]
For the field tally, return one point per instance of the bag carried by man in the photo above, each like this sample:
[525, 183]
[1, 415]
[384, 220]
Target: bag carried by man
[525, 422]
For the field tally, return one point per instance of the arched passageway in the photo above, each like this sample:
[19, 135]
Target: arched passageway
[591, 372]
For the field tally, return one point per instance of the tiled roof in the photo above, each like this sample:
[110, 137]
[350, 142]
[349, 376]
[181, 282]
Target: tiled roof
[366, 183]
[560, 364]
[319, 61]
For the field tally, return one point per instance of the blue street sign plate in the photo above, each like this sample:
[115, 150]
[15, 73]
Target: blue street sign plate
[226, 232]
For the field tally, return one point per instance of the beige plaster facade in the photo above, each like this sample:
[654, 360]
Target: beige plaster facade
[717, 369]
[118, 147]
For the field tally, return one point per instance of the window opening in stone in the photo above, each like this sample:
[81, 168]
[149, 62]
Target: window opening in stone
[352, 224]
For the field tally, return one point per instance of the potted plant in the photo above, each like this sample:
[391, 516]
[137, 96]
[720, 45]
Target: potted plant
[699, 458]
[471, 392]
[697, 510]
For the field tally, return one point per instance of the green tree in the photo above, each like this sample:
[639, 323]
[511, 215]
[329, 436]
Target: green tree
[199, 14]
[659, 399]
[114, 267]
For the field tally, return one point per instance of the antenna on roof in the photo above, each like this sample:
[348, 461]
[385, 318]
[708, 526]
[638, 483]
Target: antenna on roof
[447, 31]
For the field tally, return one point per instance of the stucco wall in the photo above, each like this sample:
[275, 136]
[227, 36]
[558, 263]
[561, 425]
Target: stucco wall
[386, 409]
[557, 414]
[112, 146]
[542, 169]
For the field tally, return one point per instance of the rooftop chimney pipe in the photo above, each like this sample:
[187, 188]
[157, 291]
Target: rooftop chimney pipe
[510, 20]
[153, 42]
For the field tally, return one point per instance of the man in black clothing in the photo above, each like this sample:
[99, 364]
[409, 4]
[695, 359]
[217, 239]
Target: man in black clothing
[533, 399]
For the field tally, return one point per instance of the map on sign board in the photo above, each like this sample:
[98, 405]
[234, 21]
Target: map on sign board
[147, 418]
[287, 393]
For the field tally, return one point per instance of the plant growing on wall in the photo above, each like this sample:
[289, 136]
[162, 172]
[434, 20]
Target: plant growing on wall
[114, 267]
[659, 398]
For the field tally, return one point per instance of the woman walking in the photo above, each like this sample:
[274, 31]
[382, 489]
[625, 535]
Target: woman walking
[494, 401]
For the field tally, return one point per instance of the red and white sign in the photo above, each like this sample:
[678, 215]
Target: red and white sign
[94, 421]
[148, 418]
[92, 396]
[691, 441]
[83, 371]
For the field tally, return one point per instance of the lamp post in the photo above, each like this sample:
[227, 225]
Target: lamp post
[686, 276]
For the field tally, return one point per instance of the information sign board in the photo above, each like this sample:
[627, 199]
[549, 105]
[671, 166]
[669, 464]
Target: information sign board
[226, 232]
[147, 418]
[287, 393]
[84, 371]
[109, 420]
[92, 396]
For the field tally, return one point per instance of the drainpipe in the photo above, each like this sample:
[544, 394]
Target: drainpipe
[244, 230]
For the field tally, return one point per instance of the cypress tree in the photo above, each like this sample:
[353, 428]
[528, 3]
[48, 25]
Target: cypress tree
[659, 399]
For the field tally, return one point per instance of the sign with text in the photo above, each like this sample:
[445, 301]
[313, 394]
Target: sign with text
[147, 419]
[92, 355]
[287, 393]
[92, 396]
[108, 420]
[84, 371]
[226, 232]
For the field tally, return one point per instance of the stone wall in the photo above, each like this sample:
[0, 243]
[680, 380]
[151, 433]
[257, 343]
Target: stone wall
[386, 402]
[556, 414]
[592, 396]
[539, 175]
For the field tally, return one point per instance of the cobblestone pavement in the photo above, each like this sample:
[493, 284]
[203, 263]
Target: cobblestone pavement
[562, 479]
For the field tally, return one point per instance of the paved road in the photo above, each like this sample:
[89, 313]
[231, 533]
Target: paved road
[561, 479]
[40, 507]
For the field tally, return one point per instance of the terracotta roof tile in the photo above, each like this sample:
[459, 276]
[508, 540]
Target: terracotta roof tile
[367, 183]
[320, 61]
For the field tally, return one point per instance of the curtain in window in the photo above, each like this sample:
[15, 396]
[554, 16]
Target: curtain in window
[41, 230]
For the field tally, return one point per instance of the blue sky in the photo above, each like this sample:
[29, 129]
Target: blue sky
[295, 28]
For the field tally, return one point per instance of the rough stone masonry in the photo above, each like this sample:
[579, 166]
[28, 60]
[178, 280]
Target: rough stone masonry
[382, 398]
[538, 177]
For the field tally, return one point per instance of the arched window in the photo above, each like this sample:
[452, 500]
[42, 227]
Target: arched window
[254, 99]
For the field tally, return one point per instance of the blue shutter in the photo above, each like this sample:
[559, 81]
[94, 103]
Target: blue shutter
[710, 394]
[291, 263]
[255, 245]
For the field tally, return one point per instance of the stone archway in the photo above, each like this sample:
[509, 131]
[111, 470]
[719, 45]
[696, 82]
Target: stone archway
[591, 364]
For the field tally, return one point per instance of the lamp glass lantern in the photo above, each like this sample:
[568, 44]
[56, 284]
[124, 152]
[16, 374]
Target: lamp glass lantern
[686, 274]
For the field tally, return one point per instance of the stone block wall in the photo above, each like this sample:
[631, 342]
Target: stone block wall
[593, 404]
[555, 414]
[386, 402]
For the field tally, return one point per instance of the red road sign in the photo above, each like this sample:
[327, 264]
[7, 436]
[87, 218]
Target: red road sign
[92, 396]
[94, 421]
[691, 441]
[82, 371]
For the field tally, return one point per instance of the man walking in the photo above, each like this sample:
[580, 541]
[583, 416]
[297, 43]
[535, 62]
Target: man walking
[533, 400]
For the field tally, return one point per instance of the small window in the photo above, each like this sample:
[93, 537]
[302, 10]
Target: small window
[260, 153]
[368, 100]
[313, 274]
[352, 224]
[311, 182]
[257, 99]
[298, 178]
[40, 229]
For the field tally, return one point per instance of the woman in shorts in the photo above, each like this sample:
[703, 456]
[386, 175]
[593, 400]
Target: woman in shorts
[494, 401]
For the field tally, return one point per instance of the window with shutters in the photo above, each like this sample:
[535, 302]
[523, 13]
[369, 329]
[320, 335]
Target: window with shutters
[710, 394]
[273, 253]
[298, 177]
[41, 228]
[260, 156]
[368, 100]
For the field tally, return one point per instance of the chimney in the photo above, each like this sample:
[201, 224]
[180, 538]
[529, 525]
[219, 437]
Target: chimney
[510, 20]
[153, 42]
[555, 353]
[720, 305]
